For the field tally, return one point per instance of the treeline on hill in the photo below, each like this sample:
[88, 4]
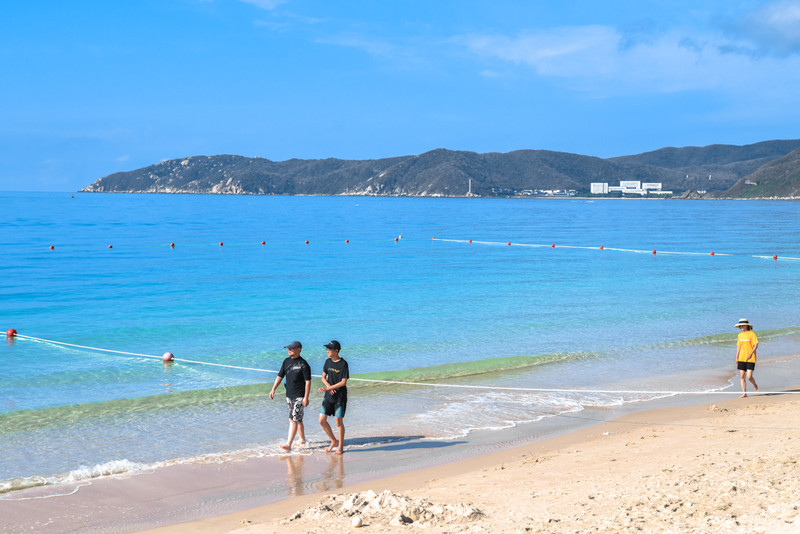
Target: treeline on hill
[716, 170]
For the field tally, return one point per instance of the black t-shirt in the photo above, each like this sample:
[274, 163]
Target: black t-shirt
[296, 371]
[334, 373]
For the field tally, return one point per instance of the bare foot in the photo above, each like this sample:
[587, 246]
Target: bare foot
[286, 447]
[332, 446]
[339, 452]
[756, 388]
[743, 395]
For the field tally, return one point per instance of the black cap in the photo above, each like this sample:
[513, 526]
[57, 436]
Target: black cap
[294, 345]
[333, 345]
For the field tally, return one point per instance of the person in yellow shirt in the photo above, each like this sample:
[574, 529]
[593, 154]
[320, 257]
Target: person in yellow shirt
[746, 345]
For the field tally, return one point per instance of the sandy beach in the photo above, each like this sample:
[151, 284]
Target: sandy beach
[728, 466]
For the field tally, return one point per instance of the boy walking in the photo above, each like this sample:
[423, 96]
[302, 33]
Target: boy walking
[298, 385]
[335, 373]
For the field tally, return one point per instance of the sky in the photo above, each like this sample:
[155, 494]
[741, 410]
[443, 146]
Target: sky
[93, 87]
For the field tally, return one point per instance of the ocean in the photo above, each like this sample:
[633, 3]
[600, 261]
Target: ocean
[482, 306]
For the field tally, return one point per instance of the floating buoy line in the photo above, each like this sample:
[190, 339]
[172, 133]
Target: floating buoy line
[397, 239]
[168, 357]
[601, 247]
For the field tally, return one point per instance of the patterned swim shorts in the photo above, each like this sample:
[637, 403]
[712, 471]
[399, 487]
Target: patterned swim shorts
[295, 409]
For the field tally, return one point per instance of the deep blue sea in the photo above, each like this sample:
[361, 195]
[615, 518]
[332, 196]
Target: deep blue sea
[396, 281]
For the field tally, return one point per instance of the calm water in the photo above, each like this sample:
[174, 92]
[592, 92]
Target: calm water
[407, 308]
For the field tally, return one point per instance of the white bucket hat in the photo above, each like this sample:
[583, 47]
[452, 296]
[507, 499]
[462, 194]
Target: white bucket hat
[743, 322]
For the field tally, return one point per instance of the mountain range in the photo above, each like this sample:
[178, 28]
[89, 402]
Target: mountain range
[715, 170]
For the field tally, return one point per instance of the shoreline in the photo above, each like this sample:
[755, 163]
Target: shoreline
[478, 480]
[225, 493]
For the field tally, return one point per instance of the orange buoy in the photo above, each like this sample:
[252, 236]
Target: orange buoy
[168, 357]
[346, 240]
[433, 239]
[52, 247]
[11, 333]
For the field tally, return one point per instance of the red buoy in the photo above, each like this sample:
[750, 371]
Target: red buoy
[263, 242]
[11, 333]
[172, 245]
[346, 240]
[509, 243]
[712, 252]
[395, 240]
[306, 241]
[470, 240]
[168, 357]
[553, 245]
[654, 251]
[220, 243]
[109, 246]
[775, 257]
[601, 247]
[52, 247]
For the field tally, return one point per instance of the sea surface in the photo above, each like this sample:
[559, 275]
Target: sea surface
[619, 298]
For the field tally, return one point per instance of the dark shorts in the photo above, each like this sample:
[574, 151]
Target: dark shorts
[295, 409]
[334, 409]
[745, 366]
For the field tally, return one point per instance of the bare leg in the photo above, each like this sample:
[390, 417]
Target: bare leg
[752, 380]
[323, 422]
[340, 429]
[301, 432]
[744, 385]
[290, 438]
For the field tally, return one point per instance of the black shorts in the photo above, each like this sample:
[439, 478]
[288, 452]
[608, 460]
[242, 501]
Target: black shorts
[745, 366]
[334, 409]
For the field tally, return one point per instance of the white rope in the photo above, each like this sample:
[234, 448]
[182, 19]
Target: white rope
[429, 384]
[534, 245]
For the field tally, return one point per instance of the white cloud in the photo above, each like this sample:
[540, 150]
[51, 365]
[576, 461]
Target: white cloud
[774, 27]
[123, 159]
[603, 61]
[265, 4]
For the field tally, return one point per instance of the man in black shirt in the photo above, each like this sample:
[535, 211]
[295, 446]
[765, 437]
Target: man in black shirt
[298, 385]
[335, 373]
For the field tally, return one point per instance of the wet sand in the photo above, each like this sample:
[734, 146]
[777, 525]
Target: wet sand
[727, 466]
[575, 472]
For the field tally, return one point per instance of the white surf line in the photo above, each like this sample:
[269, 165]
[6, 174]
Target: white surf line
[430, 384]
[615, 249]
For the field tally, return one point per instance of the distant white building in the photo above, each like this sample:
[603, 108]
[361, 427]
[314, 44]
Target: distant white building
[629, 187]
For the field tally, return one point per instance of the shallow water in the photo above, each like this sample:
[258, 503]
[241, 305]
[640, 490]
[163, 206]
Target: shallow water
[410, 309]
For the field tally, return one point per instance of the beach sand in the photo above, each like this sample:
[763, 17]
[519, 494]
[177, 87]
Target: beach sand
[726, 466]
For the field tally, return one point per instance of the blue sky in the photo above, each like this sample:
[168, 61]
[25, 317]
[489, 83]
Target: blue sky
[88, 88]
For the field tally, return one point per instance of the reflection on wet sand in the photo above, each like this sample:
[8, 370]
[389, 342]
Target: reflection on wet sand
[333, 476]
[294, 474]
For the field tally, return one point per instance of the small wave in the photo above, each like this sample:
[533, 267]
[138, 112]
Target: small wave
[471, 368]
[56, 416]
[730, 337]
[82, 474]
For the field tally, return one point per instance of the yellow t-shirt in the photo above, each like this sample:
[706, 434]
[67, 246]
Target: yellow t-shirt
[744, 345]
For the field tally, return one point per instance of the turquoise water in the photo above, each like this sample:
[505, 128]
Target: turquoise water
[404, 305]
